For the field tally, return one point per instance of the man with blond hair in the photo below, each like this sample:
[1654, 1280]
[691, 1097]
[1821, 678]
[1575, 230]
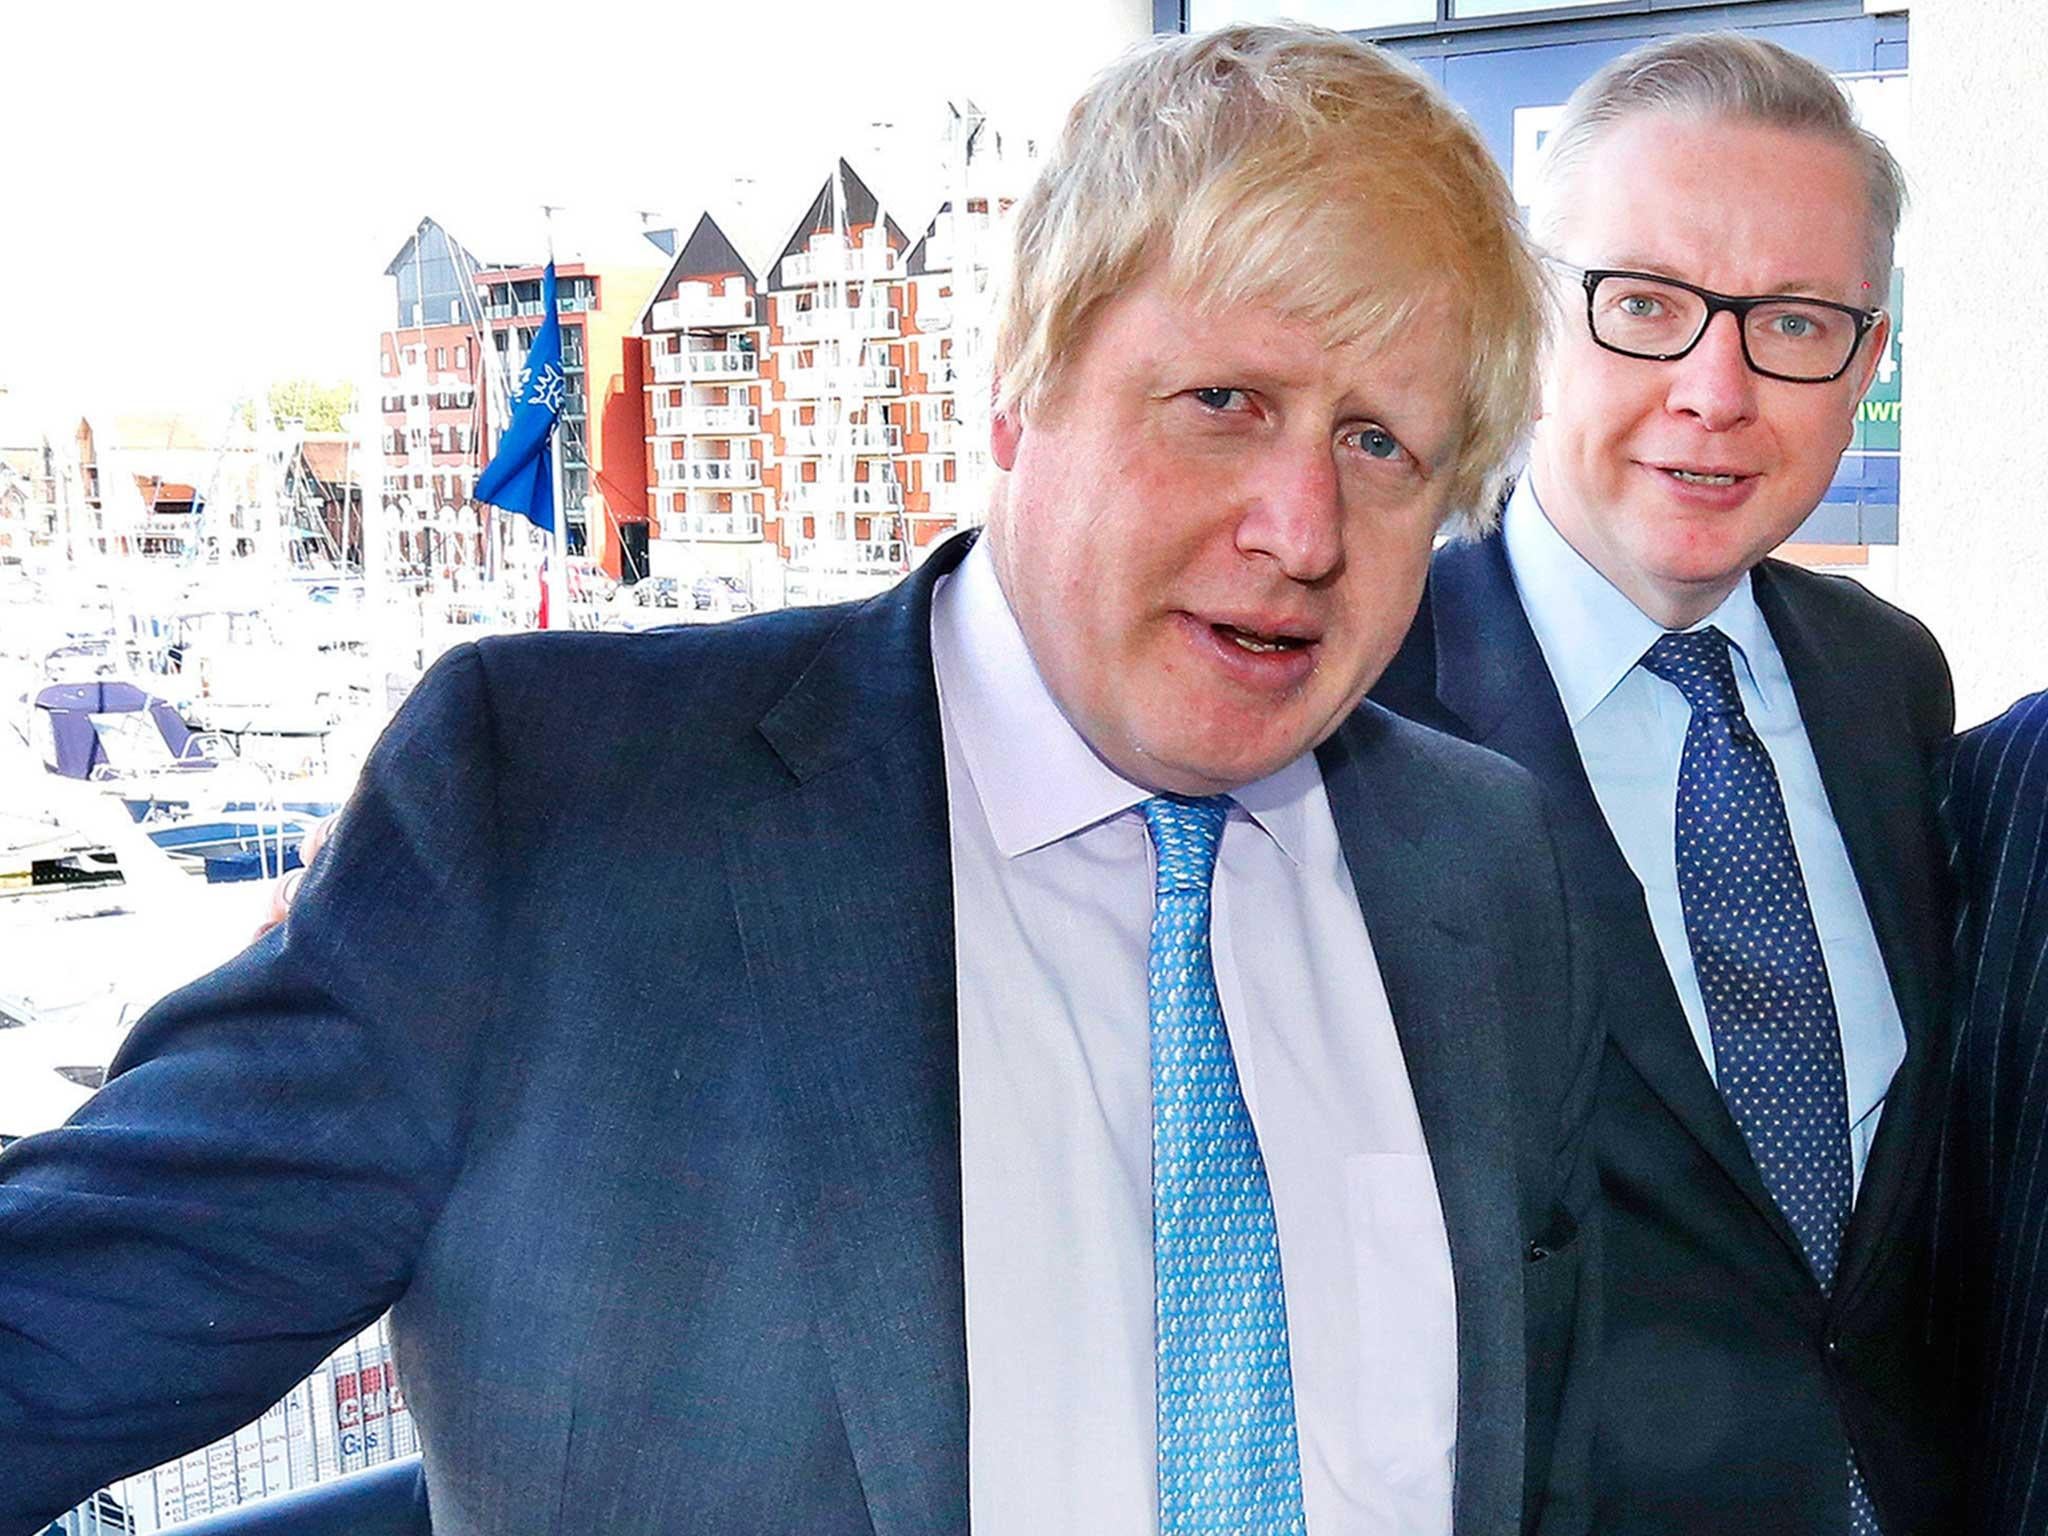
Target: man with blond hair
[1043, 1056]
[1738, 753]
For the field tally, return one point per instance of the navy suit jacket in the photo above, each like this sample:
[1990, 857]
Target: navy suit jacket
[1995, 1188]
[612, 1044]
[1727, 1378]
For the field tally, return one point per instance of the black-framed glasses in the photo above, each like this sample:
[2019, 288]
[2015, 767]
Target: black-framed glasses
[1784, 336]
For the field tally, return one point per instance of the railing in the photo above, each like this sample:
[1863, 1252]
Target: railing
[816, 383]
[681, 313]
[867, 438]
[713, 527]
[684, 367]
[706, 420]
[825, 263]
[852, 321]
[384, 1501]
[827, 496]
[854, 554]
[717, 474]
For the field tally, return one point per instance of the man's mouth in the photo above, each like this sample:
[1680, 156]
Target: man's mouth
[1700, 476]
[1257, 642]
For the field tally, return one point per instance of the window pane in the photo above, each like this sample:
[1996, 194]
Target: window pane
[1345, 15]
[1467, 8]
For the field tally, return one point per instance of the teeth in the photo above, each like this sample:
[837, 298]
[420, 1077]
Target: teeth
[1694, 479]
[1259, 645]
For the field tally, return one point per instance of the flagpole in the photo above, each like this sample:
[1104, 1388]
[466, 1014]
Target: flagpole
[558, 562]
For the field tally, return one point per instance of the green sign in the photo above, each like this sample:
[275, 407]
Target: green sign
[1877, 418]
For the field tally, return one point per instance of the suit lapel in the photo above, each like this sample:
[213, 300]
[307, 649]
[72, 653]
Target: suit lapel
[1447, 1017]
[1491, 675]
[1877, 789]
[843, 894]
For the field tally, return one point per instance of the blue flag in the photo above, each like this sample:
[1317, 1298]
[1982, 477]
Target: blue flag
[520, 477]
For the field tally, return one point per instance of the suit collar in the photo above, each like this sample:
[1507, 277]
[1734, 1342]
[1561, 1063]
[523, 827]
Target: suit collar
[1490, 674]
[1409, 855]
[1590, 633]
[1878, 789]
[843, 893]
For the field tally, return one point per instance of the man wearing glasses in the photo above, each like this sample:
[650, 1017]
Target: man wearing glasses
[1738, 752]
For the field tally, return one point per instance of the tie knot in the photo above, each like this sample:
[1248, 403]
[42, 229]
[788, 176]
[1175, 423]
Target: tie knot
[1185, 834]
[1697, 664]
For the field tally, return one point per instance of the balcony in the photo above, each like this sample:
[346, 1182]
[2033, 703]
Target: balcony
[713, 527]
[710, 474]
[688, 311]
[709, 366]
[862, 438]
[829, 263]
[843, 381]
[940, 435]
[845, 323]
[849, 554]
[843, 495]
[706, 420]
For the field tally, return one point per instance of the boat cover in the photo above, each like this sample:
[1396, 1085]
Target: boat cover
[70, 708]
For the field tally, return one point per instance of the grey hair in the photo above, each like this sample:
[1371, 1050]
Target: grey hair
[1727, 75]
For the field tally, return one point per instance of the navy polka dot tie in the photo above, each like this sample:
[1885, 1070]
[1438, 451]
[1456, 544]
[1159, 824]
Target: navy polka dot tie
[1770, 1009]
[1228, 1459]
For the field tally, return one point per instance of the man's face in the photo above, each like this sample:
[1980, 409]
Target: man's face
[1214, 534]
[1673, 479]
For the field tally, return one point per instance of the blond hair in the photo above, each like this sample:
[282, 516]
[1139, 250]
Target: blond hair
[1295, 168]
[1706, 75]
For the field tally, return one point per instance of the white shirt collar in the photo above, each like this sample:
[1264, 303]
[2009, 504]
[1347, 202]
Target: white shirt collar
[1037, 778]
[1592, 635]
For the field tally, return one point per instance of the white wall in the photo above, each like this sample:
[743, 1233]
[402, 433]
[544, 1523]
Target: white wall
[1973, 499]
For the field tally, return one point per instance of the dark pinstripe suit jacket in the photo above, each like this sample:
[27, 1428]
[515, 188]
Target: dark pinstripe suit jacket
[1995, 1194]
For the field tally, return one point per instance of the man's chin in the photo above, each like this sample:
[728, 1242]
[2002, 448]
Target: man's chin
[1187, 768]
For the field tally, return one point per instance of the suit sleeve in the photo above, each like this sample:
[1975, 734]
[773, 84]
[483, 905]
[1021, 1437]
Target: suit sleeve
[274, 1142]
[1567, 1507]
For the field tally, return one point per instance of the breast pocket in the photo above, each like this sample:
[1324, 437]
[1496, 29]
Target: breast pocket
[1407, 1330]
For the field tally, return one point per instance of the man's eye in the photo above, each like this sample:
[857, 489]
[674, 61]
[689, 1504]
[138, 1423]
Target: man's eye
[1639, 306]
[1376, 442]
[1218, 397]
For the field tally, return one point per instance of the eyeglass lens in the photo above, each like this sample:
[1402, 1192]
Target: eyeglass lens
[1786, 336]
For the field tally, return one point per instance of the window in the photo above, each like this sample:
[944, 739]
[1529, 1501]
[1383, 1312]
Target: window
[440, 357]
[462, 355]
[1467, 8]
[1345, 15]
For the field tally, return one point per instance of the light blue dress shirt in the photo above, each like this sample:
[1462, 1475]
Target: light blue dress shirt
[1630, 730]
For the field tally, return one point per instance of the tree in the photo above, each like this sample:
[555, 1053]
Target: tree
[322, 407]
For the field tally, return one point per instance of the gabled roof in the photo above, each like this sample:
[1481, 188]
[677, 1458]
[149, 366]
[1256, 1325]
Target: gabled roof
[858, 213]
[427, 230]
[708, 253]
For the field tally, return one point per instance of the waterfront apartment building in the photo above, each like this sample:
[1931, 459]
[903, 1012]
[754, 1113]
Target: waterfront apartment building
[450, 365]
[804, 426]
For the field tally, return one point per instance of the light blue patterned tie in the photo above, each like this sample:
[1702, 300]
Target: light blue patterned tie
[1763, 978]
[1228, 1461]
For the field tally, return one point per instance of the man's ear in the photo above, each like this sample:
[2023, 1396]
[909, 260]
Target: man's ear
[1874, 346]
[1005, 430]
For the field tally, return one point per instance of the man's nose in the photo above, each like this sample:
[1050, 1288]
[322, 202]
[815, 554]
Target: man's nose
[1295, 513]
[1712, 383]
